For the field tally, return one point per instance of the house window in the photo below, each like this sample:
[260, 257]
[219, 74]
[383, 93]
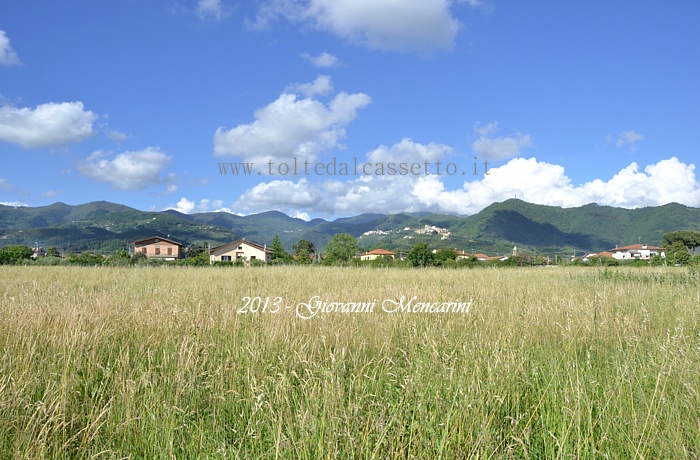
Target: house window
[240, 248]
[252, 257]
[226, 258]
[144, 250]
[157, 250]
[170, 251]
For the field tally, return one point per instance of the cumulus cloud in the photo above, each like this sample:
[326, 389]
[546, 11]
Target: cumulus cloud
[321, 86]
[545, 183]
[498, 148]
[531, 180]
[14, 204]
[323, 60]
[117, 136]
[418, 25]
[8, 56]
[131, 170]
[50, 124]
[292, 126]
[212, 9]
[487, 129]
[280, 194]
[408, 151]
[383, 193]
[187, 206]
[629, 138]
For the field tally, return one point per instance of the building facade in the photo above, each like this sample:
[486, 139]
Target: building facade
[157, 247]
[240, 250]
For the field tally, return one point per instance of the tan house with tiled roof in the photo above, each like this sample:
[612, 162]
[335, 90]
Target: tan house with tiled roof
[240, 250]
[157, 247]
[637, 251]
[377, 253]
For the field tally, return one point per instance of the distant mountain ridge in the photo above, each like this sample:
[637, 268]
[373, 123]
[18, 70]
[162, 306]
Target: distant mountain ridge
[105, 227]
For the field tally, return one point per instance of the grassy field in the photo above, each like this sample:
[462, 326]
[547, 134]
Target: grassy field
[155, 363]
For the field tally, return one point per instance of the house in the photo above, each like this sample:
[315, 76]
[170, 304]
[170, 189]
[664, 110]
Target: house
[377, 253]
[157, 247]
[38, 252]
[596, 255]
[240, 250]
[637, 251]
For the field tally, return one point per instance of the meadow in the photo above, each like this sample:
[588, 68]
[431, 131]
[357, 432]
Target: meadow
[151, 363]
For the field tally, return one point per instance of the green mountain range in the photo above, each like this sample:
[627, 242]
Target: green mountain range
[107, 227]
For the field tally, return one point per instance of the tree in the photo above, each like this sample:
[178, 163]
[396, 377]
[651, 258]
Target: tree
[341, 248]
[198, 254]
[304, 251]
[120, 257]
[86, 258]
[421, 255]
[443, 255]
[53, 252]
[279, 255]
[195, 250]
[303, 257]
[15, 254]
[689, 238]
[678, 253]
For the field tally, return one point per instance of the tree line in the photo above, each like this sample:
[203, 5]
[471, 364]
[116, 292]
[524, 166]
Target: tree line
[680, 248]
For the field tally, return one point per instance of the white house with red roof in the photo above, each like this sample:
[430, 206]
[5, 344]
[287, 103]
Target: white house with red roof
[637, 251]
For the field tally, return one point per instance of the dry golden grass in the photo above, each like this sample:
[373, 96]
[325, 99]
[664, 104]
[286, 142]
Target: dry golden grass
[157, 363]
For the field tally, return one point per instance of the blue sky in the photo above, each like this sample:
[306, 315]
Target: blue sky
[138, 102]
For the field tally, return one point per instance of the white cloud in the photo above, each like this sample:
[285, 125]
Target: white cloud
[301, 215]
[280, 194]
[187, 206]
[629, 138]
[499, 148]
[14, 204]
[212, 9]
[117, 136]
[484, 5]
[534, 181]
[323, 60]
[418, 25]
[487, 129]
[8, 56]
[408, 151]
[321, 86]
[544, 183]
[291, 126]
[50, 124]
[228, 210]
[131, 170]
[664, 182]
